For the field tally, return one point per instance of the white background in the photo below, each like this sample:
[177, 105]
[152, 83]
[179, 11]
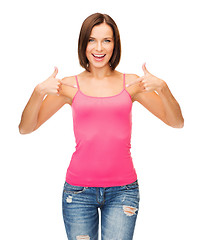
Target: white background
[38, 35]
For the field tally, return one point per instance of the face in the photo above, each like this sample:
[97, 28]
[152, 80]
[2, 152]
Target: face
[100, 46]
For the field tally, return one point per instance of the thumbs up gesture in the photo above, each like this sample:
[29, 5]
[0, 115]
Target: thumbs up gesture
[52, 85]
[148, 82]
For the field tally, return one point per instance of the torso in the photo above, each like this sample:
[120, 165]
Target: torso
[110, 86]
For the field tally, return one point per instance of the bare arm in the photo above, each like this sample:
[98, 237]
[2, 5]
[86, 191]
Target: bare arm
[49, 107]
[154, 94]
[172, 108]
[30, 113]
[163, 105]
[37, 110]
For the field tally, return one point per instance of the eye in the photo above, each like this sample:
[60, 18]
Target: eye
[90, 40]
[107, 40]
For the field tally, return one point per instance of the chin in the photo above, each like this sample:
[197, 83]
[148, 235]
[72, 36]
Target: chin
[100, 65]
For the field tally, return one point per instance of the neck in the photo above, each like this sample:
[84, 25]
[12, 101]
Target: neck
[100, 73]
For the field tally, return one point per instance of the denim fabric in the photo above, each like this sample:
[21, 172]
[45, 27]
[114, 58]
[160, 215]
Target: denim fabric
[119, 207]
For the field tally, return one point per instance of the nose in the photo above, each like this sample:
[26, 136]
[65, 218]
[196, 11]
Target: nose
[99, 46]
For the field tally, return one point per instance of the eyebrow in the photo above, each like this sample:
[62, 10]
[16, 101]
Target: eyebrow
[104, 38]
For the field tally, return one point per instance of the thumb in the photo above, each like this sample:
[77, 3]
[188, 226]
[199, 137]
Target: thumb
[144, 68]
[55, 72]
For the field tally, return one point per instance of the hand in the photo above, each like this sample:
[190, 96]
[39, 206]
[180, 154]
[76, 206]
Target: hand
[149, 82]
[52, 85]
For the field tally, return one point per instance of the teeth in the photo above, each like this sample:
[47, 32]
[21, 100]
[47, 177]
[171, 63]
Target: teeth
[97, 55]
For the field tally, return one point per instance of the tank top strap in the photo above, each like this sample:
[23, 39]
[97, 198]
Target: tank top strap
[77, 81]
[123, 80]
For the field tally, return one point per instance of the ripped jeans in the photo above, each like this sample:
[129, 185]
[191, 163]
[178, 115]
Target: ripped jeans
[119, 207]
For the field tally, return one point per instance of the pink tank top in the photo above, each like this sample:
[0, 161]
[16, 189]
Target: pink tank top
[102, 129]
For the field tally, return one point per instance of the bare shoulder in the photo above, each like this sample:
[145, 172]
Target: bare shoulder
[130, 77]
[69, 81]
[132, 85]
[69, 87]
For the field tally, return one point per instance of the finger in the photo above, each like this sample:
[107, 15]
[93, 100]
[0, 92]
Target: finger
[70, 85]
[144, 68]
[55, 72]
[58, 91]
[59, 87]
[59, 82]
[138, 80]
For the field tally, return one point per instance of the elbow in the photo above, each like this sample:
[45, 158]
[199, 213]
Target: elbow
[175, 124]
[180, 124]
[23, 131]
[20, 129]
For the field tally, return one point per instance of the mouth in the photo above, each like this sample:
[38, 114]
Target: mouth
[99, 57]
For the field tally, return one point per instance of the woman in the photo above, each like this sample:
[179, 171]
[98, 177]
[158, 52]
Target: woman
[101, 172]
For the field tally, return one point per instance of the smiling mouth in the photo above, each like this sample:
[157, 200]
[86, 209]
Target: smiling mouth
[99, 56]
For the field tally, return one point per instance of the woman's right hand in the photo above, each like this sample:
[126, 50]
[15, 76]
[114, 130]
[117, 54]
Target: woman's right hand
[51, 86]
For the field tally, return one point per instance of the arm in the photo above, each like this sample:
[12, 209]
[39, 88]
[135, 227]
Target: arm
[30, 113]
[163, 105]
[37, 110]
[171, 107]
[49, 107]
[155, 95]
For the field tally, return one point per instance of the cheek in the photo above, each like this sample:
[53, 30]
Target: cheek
[110, 48]
[88, 49]
[88, 53]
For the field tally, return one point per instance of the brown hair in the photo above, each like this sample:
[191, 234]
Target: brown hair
[87, 25]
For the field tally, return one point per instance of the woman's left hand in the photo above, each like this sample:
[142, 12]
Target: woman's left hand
[150, 82]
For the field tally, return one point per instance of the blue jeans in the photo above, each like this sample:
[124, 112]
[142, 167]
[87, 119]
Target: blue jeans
[119, 207]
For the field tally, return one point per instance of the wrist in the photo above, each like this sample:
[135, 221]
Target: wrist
[162, 87]
[39, 90]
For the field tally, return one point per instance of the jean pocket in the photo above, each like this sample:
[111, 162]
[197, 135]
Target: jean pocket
[68, 188]
[134, 185]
